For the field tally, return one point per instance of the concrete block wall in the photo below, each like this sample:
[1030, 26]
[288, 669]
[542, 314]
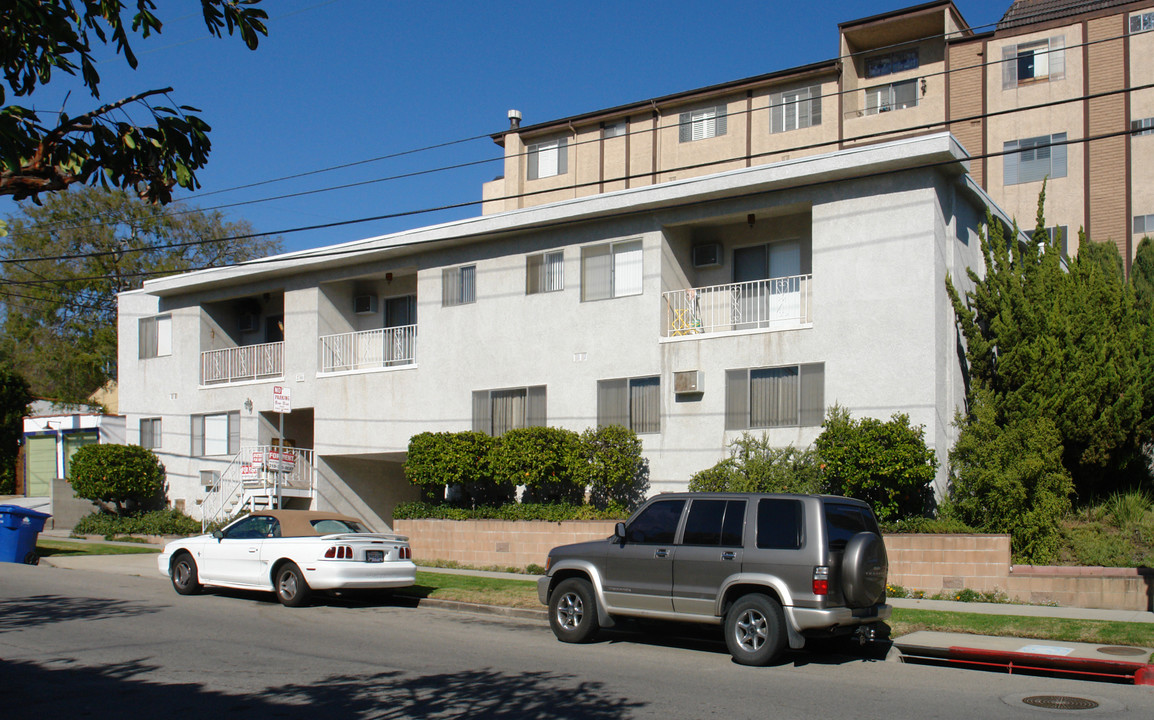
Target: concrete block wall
[504, 543]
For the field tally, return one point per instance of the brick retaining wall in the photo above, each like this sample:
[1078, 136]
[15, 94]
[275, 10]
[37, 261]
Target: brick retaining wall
[933, 563]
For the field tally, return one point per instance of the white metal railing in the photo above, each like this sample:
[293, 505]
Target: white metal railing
[247, 362]
[385, 347]
[262, 473]
[776, 303]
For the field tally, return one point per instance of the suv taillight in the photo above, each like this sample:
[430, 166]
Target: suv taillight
[821, 580]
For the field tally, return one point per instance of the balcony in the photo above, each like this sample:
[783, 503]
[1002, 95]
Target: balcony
[774, 304]
[238, 364]
[369, 349]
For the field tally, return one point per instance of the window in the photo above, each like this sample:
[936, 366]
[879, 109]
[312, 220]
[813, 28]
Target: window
[155, 336]
[497, 411]
[253, 527]
[779, 524]
[458, 285]
[787, 396]
[702, 124]
[795, 109]
[150, 433]
[1143, 22]
[614, 129]
[216, 434]
[549, 158]
[657, 523]
[1033, 62]
[611, 270]
[634, 403]
[1060, 235]
[1037, 158]
[1143, 224]
[890, 63]
[715, 522]
[1145, 126]
[845, 521]
[545, 272]
[895, 96]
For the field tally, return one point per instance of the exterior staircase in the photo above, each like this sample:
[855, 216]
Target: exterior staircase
[259, 477]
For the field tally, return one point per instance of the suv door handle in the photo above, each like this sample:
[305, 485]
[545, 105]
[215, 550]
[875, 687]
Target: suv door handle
[661, 553]
[728, 555]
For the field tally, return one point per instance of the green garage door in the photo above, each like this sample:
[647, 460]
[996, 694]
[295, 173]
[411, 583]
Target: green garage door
[41, 454]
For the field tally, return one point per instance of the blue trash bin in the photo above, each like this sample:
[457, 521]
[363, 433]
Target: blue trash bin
[19, 528]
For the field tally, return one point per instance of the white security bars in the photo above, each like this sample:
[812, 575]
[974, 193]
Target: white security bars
[774, 304]
[248, 362]
[368, 349]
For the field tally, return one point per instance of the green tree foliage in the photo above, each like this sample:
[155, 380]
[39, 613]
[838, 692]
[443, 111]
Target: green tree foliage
[62, 269]
[1009, 478]
[617, 473]
[128, 476]
[754, 465]
[14, 399]
[885, 463]
[462, 461]
[549, 462]
[1069, 346]
[44, 152]
[1142, 279]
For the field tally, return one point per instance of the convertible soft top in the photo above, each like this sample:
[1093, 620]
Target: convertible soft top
[299, 523]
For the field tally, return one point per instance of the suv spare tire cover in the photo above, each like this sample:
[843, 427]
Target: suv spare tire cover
[863, 570]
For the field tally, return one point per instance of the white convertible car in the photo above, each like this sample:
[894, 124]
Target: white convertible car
[290, 552]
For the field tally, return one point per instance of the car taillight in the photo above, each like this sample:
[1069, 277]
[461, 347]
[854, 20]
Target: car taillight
[405, 553]
[339, 552]
[821, 580]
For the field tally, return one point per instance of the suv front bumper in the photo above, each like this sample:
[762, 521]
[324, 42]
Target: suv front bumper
[803, 619]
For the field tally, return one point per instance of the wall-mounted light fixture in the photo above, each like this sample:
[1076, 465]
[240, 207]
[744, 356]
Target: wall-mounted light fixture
[248, 404]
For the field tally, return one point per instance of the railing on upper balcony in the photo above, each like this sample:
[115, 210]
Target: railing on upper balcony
[247, 362]
[368, 349]
[774, 304]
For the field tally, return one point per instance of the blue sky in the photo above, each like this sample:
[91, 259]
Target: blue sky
[348, 81]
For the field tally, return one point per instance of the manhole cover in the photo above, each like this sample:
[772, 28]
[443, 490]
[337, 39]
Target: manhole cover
[1121, 650]
[1060, 702]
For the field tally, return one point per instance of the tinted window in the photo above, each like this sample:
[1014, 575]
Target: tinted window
[252, 527]
[656, 524]
[779, 524]
[845, 521]
[715, 522]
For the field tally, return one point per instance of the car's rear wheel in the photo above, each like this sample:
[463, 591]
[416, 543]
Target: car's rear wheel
[755, 629]
[573, 611]
[291, 588]
[185, 579]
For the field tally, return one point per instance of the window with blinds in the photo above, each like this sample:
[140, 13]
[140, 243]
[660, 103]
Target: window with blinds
[702, 124]
[495, 412]
[549, 158]
[785, 396]
[545, 272]
[458, 285]
[1035, 61]
[1034, 159]
[634, 403]
[795, 109]
[611, 270]
[150, 433]
[217, 434]
[155, 336]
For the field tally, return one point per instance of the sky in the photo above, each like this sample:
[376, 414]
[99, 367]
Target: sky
[347, 83]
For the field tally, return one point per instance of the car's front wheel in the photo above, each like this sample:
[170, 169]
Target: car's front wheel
[755, 629]
[291, 588]
[573, 611]
[184, 576]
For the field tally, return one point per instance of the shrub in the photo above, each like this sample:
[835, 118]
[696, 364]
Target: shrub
[754, 466]
[511, 511]
[887, 464]
[462, 461]
[617, 473]
[128, 476]
[931, 526]
[156, 522]
[549, 462]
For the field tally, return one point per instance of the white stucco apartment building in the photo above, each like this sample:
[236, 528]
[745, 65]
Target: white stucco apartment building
[691, 310]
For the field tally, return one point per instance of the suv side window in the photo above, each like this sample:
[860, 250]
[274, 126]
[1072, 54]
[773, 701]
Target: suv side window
[845, 521]
[779, 524]
[715, 522]
[657, 524]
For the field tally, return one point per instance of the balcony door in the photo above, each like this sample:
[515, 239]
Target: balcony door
[767, 290]
[400, 313]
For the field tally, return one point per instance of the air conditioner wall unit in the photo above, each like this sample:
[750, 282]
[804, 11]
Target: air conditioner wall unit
[688, 382]
[707, 255]
[365, 304]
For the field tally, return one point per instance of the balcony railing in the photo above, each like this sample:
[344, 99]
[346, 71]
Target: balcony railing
[774, 304]
[236, 364]
[369, 349]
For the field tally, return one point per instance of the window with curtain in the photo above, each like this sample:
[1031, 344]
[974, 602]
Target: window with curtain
[634, 403]
[1035, 159]
[217, 434]
[549, 158]
[702, 124]
[611, 270]
[895, 96]
[784, 396]
[545, 272]
[150, 433]
[458, 285]
[155, 336]
[1035, 61]
[497, 411]
[795, 109]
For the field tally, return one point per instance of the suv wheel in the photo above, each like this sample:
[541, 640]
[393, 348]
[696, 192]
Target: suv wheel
[755, 630]
[573, 611]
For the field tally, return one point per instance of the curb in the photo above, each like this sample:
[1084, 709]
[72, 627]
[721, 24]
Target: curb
[457, 605]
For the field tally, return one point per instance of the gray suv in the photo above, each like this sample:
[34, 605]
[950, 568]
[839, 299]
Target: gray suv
[771, 568]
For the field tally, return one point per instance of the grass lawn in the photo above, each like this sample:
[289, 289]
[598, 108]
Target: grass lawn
[482, 590]
[46, 547]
